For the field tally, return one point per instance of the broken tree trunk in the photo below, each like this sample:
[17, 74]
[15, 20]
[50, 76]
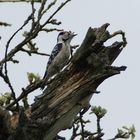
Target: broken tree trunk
[71, 90]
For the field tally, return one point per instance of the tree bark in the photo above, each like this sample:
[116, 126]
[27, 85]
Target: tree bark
[71, 90]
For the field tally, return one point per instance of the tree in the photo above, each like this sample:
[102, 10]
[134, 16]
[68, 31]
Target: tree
[68, 93]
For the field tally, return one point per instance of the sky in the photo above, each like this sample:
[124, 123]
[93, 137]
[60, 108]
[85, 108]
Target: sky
[120, 93]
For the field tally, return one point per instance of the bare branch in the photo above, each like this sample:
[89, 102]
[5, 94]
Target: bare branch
[120, 32]
[51, 4]
[52, 29]
[74, 131]
[82, 125]
[8, 57]
[29, 52]
[6, 79]
[4, 24]
[12, 91]
[40, 14]
[54, 22]
[5, 66]
[26, 91]
[3, 76]
[33, 13]
[14, 60]
[56, 11]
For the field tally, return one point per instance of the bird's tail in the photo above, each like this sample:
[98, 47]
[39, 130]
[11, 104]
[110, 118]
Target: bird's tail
[44, 81]
[45, 75]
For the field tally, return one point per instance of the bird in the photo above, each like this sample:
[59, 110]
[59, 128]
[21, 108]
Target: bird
[60, 54]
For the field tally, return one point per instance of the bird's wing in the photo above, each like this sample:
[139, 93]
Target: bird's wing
[54, 53]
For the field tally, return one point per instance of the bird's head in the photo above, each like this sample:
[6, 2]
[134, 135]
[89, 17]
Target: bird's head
[65, 36]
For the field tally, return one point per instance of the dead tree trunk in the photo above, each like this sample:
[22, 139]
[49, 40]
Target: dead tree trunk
[70, 91]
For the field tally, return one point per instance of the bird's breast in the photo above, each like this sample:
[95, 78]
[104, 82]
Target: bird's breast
[62, 58]
[63, 55]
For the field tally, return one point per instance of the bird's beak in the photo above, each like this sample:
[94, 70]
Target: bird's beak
[73, 34]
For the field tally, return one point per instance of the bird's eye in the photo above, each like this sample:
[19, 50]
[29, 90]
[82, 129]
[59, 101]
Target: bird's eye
[68, 33]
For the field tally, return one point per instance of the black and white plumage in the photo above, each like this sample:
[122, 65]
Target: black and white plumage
[60, 54]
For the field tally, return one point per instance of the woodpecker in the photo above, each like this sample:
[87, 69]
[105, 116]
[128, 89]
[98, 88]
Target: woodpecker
[60, 54]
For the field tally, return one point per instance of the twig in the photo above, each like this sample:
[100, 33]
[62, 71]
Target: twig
[51, 4]
[54, 22]
[12, 91]
[82, 125]
[6, 79]
[9, 41]
[74, 132]
[33, 13]
[2, 75]
[49, 7]
[41, 9]
[33, 52]
[120, 32]
[99, 136]
[18, 47]
[5, 66]
[98, 126]
[51, 30]
[25, 92]
[4, 24]
[55, 12]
